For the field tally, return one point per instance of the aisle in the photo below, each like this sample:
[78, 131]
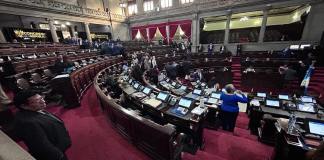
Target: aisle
[93, 138]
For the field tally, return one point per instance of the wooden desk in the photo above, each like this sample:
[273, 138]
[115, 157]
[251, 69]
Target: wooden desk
[10, 150]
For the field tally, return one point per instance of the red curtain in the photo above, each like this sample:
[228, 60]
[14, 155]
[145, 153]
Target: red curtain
[143, 33]
[173, 30]
[134, 32]
[163, 31]
[152, 32]
[186, 28]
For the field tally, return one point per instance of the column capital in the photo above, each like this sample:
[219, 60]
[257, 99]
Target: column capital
[228, 12]
[267, 8]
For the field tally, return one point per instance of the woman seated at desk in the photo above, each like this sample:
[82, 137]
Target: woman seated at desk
[229, 107]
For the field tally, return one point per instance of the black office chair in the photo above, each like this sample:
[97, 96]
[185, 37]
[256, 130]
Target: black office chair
[267, 131]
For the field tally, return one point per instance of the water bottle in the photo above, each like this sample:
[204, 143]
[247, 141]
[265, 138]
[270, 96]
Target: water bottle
[291, 123]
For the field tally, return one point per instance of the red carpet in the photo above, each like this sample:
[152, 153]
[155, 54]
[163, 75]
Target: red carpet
[93, 138]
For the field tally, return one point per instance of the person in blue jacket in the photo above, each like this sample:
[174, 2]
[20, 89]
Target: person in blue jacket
[229, 108]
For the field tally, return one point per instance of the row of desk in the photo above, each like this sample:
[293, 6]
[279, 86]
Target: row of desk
[72, 85]
[165, 144]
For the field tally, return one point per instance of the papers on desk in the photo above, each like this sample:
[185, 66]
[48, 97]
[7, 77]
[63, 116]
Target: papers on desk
[255, 102]
[62, 76]
[139, 95]
[153, 102]
[198, 110]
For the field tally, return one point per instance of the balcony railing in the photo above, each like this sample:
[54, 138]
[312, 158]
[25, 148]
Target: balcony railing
[62, 7]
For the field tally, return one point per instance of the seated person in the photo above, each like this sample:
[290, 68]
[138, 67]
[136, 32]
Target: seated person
[62, 63]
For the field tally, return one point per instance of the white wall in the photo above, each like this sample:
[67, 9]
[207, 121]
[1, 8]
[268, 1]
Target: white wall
[95, 4]
[314, 25]
[121, 31]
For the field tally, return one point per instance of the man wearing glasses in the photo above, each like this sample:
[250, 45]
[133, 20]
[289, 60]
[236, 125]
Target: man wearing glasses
[44, 134]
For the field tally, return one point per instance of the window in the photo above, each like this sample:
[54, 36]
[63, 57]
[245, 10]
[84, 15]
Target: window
[132, 9]
[245, 27]
[166, 3]
[286, 24]
[186, 1]
[148, 6]
[212, 29]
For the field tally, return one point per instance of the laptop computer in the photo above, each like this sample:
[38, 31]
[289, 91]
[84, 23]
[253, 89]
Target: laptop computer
[272, 103]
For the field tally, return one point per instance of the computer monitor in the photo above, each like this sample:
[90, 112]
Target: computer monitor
[212, 100]
[136, 85]
[215, 95]
[197, 91]
[306, 107]
[147, 90]
[163, 96]
[315, 126]
[272, 103]
[294, 47]
[303, 46]
[174, 84]
[185, 102]
[307, 99]
[167, 80]
[260, 94]
[183, 88]
[283, 97]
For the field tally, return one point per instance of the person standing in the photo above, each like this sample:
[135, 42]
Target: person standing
[44, 134]
[229, 107]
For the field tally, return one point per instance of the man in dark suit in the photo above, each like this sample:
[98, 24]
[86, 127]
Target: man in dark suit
[44, 134]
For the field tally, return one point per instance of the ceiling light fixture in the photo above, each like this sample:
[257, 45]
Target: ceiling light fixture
[245, 18]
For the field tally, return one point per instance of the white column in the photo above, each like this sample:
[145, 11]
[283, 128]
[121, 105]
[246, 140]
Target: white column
[148, 34]
[73, 32]
[140, 7]
[227, 29]
[2, 37]
[264, 25]
[194, 33]
[167, 28]
[87, 30]
[53, 31]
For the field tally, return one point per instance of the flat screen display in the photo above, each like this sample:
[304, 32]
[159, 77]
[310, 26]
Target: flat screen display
[136, 85]
[215, 95]
[259, 94]
[130, 81]
[167, 80]
[316, 128]
[272, 103]
[174, 84]
[197, 91]
[162, 96]
[294, 47]
[212, 100]
[183, 87]
[186, 103]
[306, 107]
[307, 99]
[305, 46]
[147, 90]
[283, 97]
